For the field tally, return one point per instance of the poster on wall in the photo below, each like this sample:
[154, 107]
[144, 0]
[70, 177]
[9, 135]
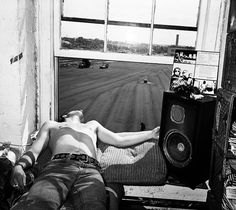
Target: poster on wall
[195, 68]
[206, 71]
[207, 58]
[183, 68]
[185, 56]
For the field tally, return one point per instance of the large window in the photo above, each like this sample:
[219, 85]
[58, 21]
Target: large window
[122, 96]
[137, 27]
[207, 31]
[129, 36]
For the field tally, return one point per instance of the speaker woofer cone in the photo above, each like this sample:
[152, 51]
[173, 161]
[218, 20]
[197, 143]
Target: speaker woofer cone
[177, 148]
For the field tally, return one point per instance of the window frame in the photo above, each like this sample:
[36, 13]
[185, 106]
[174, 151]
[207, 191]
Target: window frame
[111, 55]
[47, 38]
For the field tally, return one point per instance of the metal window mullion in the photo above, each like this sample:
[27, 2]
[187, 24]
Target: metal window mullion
[152, 26]
[106, 25]
[58, 8]
[197, 23]
[133, 24]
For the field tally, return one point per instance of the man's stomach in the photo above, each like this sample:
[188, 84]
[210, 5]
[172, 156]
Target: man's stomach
[73, 146]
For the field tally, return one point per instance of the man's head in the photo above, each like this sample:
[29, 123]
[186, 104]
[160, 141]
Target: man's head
[74, 113]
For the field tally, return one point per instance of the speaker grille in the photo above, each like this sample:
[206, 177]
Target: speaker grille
[177, 148]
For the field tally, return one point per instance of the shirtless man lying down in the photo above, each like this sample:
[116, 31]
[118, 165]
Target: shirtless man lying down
[73, 170]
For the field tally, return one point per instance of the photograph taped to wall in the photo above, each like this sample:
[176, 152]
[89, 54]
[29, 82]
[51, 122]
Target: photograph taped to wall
[195, 68]
[205, 86]
[185, 56]
[182, 74]
[209, 58]
[206, 72]
[183, 68]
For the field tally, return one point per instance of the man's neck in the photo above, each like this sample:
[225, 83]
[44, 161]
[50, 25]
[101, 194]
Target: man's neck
[73, 120]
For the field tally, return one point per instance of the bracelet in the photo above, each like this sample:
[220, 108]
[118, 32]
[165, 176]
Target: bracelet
[26, 160]
[20, 164]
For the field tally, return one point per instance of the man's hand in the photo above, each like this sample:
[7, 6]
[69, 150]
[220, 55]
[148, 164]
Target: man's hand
[155, 132]
[18, 177]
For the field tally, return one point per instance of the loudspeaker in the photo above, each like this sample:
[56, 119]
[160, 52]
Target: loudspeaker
[186, 137]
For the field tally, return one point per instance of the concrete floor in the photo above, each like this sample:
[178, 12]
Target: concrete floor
[167, 192]
[168, 197]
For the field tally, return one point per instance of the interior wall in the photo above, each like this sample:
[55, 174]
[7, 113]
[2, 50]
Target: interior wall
[18, 72]
[45, 62]
[212, 25]
[27, 85]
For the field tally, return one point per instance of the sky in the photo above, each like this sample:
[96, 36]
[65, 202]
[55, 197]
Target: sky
[175, 12]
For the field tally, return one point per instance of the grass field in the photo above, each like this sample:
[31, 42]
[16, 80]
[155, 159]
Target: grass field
[119, 97]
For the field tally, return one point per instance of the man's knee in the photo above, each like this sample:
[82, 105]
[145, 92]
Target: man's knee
[34, 205]
[26, 203]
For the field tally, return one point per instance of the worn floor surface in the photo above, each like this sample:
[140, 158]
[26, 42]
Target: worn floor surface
[168, 197]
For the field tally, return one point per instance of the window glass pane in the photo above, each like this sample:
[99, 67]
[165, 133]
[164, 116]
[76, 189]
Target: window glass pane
[82, 36]
[130, 10]
[165, 38]
[177, 12]
[122, 96]
[127, 39]
[92, 9]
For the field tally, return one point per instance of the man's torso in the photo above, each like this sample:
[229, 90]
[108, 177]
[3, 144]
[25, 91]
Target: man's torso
[73, 138]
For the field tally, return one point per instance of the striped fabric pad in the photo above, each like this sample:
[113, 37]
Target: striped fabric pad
[141, 164]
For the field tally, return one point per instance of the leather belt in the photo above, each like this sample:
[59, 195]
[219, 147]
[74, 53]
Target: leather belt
[79, 157]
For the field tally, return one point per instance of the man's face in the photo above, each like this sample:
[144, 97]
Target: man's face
[76, 112]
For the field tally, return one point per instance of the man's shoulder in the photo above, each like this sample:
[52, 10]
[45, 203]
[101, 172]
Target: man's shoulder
[50, 124]
[93, 124]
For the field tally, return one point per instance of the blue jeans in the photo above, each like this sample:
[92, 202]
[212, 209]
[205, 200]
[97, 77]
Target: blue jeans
[62, 179]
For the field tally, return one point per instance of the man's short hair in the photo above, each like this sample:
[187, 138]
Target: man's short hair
[78, 113]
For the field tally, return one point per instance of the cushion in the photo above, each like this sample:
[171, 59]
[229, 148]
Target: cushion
[142, 164]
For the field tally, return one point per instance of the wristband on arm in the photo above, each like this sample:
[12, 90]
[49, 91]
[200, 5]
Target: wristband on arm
[26, 161]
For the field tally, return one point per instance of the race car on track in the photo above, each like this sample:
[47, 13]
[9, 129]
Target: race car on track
[104, 66]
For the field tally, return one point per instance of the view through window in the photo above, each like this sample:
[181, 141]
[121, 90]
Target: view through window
[150, 27]
[122, 96]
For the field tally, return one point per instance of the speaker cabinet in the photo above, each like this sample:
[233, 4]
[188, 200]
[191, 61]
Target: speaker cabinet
[186, 137]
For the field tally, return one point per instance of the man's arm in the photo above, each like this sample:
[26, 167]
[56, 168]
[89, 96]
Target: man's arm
[41, 142]
[131, 133]
[125, 139]
[28, 159]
